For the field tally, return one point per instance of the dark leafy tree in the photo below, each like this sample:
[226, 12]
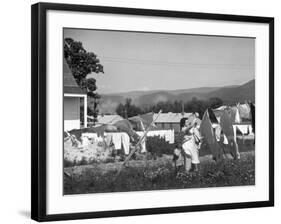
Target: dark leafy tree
[128, 109]
[83, 63]
[194, 105]
[91, 85]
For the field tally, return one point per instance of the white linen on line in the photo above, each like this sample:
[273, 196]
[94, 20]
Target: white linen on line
[85, 140]
[243, 128]
[125, 142]
[116, 139]
[218, 130]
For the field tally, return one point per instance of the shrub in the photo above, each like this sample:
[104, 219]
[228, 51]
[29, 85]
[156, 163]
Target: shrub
[158, 146]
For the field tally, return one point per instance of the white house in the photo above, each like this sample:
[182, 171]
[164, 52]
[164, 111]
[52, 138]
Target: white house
[71, 98]
[108, 119]
[167, 121]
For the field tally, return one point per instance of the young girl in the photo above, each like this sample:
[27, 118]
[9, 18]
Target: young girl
[191, 145]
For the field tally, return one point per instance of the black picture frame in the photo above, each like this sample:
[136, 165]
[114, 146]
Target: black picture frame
[38, 110]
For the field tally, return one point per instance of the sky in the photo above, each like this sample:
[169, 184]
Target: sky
[152, 61]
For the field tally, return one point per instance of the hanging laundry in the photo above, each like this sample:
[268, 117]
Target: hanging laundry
[91, 136]
[243, 128]
[206, 129]
[234, 150]
[219, 119]
[110, 128]
[218, 112]
[99, 130]
[234, 115]
[253, 108]
[125, 126]
[108, 140]
[125, 142]
[230, 131]
[218, 132]
[116, 140]
[244, 110]
[85, 141]
[78, 132]
[143, 142]
[220, 137]
[234, 132]
[170, 136]
[208, 134]
[225, 141]
[250, 130]
[212, 116]
[237, 116]
[226, 124]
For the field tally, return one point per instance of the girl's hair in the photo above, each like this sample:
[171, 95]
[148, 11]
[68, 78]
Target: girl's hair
[182, 122]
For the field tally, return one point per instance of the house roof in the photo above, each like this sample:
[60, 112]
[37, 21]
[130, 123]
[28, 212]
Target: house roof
[69, 83]
[170, 117]
[108, 119]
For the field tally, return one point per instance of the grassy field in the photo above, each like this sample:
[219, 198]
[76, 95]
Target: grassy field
[159, 174]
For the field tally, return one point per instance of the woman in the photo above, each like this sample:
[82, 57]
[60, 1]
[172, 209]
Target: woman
[192, 143]
[179, 157]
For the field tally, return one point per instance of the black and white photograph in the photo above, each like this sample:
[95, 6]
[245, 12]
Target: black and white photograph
[147, 111]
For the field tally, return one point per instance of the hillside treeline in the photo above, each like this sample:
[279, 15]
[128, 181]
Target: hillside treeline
[128, 109]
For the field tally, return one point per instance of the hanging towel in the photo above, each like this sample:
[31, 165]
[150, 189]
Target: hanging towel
[116, 139]
[125, 143]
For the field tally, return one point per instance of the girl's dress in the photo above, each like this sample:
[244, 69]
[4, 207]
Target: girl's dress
[191, 147]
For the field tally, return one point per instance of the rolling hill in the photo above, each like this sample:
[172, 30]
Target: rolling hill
[229, 95]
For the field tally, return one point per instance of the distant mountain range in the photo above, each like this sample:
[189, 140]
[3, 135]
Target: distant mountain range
[229, 95]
